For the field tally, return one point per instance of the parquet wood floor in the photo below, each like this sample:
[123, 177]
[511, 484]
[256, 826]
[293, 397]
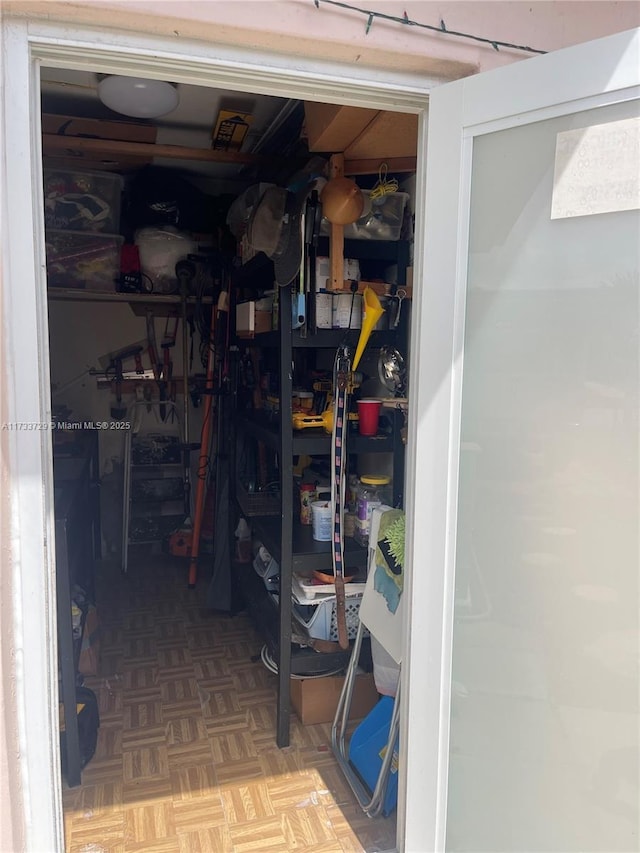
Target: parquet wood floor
[186, 759]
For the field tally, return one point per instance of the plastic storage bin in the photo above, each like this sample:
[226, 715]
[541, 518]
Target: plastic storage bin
[320, 619]
[82, 201]
[372, 492]
[80, 260]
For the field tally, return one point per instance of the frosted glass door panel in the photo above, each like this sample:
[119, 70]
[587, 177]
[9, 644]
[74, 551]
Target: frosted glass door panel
[544, 720]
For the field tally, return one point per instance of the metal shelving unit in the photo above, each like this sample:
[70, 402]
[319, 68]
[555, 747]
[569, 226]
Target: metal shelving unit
[290, 543]
[151, 510]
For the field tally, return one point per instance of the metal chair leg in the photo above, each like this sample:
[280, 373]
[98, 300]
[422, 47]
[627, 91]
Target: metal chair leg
[371, 803]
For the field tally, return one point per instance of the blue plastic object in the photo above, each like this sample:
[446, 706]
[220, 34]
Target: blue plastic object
[367, 749]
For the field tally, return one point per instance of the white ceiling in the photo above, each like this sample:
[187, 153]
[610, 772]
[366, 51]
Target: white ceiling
[75, 93]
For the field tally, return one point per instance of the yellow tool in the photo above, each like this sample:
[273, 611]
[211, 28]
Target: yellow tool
[302, 421]
[373, 310]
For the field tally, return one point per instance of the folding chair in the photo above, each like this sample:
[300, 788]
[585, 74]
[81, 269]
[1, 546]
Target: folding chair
[386, 628]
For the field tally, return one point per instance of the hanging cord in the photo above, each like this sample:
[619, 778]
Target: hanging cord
[405, 20]
[384, 185]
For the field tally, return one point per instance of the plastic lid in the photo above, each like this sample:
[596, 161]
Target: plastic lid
[372, 480]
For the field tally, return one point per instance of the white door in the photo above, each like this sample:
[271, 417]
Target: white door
[523, 684]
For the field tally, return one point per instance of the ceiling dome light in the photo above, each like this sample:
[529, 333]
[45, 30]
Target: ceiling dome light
[137, 97]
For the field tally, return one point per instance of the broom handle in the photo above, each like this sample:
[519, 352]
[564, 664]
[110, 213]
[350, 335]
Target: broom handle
[204, 452]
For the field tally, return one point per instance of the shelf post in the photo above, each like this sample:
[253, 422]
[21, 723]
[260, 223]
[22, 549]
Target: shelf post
[286, 529]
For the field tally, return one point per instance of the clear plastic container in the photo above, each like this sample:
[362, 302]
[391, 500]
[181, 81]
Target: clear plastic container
[81, 260]
[82, 201]
[352, 496]
[381, 220]
[372, 492]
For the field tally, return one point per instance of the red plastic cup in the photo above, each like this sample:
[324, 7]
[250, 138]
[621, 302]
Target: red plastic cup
[368, 415]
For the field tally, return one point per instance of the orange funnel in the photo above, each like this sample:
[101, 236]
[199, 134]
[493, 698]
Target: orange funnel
[373, 310]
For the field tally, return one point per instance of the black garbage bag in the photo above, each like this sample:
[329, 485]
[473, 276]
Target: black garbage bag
[160, 196]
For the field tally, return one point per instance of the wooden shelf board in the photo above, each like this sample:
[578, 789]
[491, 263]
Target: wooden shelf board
[159, 304]
[380, 287]
[363, 166]
[80, 295]
[52, 144]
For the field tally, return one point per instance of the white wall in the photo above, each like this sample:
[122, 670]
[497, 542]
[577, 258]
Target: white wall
[81, 333]
[296, 27]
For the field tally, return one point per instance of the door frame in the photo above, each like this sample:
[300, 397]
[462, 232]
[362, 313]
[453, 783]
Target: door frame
[578, 78]
[26, 46]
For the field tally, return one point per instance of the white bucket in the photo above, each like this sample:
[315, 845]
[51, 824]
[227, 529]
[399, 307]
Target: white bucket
[321, 520]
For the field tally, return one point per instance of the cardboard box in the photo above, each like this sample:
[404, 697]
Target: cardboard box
[323, 271]
[390, 134]
[360, 133]
[315, 699]
[76, 128]
[230, 130]
[250, 321]
[331, 127]
[97, 128]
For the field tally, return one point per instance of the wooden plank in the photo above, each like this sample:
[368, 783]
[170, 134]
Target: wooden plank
[76, 127]
[395, 165]
[336, 236]
[331, 127]
[380, 287]
[390, 134]
[146, 299]
[119, 165]
[79, 147]
[162, 304]
[80, 295]
[98, 128]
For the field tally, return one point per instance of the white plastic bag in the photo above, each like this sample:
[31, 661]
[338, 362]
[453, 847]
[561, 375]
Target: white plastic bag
[386, 672]
[160, 250]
